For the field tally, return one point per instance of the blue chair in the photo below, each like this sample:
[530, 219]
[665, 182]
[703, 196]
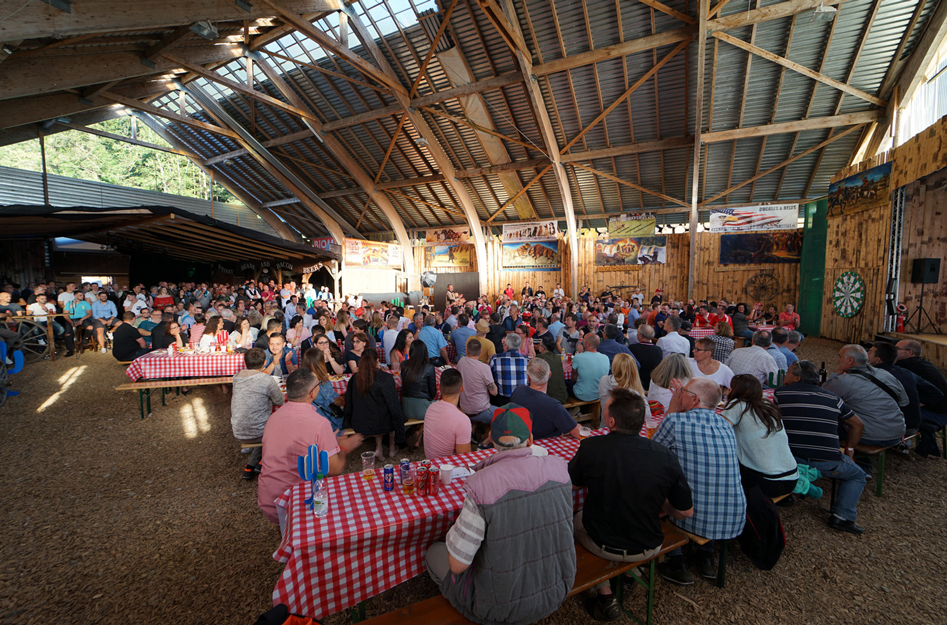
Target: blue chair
[6, 371]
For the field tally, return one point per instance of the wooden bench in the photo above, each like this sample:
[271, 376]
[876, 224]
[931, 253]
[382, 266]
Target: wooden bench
[407, 424]
[147, 388]
[594, 415]
[721, 562]
[590, 571]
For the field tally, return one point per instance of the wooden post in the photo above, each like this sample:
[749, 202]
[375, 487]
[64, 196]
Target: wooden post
[42, 152]
[210, 185]
[335, 270]
[703, 9]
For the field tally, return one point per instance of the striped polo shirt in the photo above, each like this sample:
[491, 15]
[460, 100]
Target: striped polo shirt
[811, 416]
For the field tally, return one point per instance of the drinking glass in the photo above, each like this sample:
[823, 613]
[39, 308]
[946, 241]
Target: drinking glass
[368, 465]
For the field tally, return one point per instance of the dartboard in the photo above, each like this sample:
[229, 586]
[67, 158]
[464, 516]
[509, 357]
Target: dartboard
[848, 294]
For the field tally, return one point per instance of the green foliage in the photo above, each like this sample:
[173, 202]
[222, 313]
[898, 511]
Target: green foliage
[85, 156]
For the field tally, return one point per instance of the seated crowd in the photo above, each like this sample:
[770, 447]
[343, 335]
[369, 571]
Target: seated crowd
[491, 373]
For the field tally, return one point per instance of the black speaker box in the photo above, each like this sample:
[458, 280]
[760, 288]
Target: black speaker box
[925, 271]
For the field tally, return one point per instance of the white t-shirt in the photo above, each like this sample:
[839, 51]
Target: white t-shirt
[674, 343]
[65, 298]
[722, 376]
[36, 309]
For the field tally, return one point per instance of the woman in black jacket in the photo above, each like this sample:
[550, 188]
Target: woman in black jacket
[418, 382]
[371, 402]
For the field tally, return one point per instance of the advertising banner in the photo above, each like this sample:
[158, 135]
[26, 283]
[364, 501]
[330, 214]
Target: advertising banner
[449, 255]
[743, 218]
[761, 248]
[631, 226]
[869, 189]
[538, 256]
[372, 254]
[446, 236]
[530, 231]
[631, 251]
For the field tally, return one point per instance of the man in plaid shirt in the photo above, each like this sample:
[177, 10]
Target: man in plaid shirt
[706, 447]
[509, 370]
[755, 360]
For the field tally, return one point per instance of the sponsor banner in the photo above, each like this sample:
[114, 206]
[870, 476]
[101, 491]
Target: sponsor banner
[450, 255]
[535, 256]
[530, 231]
[861, 192]
[631, 251]
[360, 253]
[743, 218]
[446, 236]
[761, 248]
[323, 243]
[631, 226]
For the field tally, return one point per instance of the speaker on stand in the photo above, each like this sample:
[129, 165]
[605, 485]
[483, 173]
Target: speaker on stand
[924, 271]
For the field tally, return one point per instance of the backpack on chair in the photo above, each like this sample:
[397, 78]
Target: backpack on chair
[763, 537]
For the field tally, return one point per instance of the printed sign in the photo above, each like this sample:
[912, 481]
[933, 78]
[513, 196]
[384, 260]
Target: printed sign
[323, 243]
[761, 248]
[743, 218]
[450, 255]
[535, 256]
[360, 253]
[446, 236]
[861, 192]
[530, 231]
[632, 251]
[631, 226]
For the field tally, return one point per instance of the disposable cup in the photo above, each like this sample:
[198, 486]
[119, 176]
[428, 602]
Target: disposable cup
[446, 471]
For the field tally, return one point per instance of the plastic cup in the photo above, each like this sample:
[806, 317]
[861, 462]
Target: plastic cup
[651, 426]
[446, 471]
[368, 465]
[585, 432]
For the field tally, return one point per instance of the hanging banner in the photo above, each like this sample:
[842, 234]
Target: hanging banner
[323, 243]
[631, 226]
[861, 192]
[360, 253]
[530, 231]
[449, 255]
[632, 251]
[446, 236]
[538, 256]
[743, 218]
[761, 248]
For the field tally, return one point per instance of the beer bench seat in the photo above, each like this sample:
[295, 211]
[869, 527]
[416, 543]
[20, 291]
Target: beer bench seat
[407, 424]
[146, 388]
[594, 414]
[590, 571]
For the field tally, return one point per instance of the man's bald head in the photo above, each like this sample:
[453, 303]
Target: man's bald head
[706, 390]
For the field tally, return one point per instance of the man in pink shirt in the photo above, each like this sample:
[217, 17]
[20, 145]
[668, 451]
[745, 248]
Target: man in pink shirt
[478, 384]
[288, 434]
[446, 429]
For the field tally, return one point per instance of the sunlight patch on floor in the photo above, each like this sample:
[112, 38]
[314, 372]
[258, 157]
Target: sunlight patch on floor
[66, 380]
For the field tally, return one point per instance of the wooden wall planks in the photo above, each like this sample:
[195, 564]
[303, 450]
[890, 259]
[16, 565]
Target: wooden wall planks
[23, 262]
[925, 236]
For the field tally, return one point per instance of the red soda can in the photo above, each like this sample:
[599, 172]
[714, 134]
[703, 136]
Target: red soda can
[421, 480]
[433, 480]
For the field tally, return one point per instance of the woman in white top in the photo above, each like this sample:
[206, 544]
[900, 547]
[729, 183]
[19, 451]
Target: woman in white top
[762, 443]
[209, 338]
[674, 367]
[624, 375]
[243, 335]
[703, 364]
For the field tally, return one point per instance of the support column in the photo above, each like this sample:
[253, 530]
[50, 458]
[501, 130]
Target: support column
[703, 9]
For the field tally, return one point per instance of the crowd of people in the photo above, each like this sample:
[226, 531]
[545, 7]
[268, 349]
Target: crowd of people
[502, 385]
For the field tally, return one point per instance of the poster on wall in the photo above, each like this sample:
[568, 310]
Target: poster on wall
[761, 248]
[446, 236]
[772, 217]
[449, 255]
[631, 226]
[631, 251]
[323, 243]
[866, 190]
[372, 254]
[536, 256]
[530, 231]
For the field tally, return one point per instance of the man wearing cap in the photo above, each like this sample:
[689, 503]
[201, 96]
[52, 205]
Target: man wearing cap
[631, 481]
[502, 562]
[658, 297]
[487, 348]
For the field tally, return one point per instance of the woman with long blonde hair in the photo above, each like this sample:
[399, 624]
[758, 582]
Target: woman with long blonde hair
[674, 367]
[624, 375]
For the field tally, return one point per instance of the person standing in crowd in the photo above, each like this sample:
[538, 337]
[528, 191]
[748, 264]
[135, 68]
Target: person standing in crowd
[435, 342]
[546, 350]
[461, 334]
[569, 336]
[487, 348]
[418, 383]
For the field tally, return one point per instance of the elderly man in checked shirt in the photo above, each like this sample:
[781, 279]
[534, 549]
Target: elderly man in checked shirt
[756, 360]
[706, 447]
[509, 370]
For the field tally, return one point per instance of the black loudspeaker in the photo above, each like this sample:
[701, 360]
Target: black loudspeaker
[925, 271]
[889, 296]
[428, 279]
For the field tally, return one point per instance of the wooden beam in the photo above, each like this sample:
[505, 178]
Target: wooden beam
[783, 164]
[430, 53]
[38, 75]
[144, 144]
[796, 67]
[417, 199]
[391, 146]
[535, 179]
[167, 42]
[36, 19]
[703, 11]
[271, 143]
[477, 127]
[627, 183]
[327, 72]
[654, 145]
[496, 169]
[813, 123]
[154, 110]
[913, 73]
[618, 50]
[658, 6]
[766, 14]
[510, 34]
[410, 182]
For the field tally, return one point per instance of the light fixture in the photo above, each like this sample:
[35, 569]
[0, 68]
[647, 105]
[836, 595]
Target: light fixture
[823, 13]
[205, 29]
[421, 141]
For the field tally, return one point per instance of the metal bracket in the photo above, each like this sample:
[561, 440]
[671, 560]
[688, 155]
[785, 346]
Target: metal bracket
[243, 4]
[62, 5]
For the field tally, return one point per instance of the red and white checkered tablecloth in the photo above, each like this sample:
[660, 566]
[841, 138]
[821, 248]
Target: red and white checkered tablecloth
[340, 385]
[699, 333]
[371, 540]
[158, 365]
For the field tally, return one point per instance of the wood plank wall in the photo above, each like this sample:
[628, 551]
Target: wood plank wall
[24, 261]
[856, 242]
[729, 282]
[925, 236]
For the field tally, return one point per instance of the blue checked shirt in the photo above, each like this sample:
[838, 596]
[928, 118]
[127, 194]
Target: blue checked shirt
[706, 447]
[509, 371]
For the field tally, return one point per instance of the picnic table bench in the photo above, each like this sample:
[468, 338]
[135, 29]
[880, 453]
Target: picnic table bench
[146, 389]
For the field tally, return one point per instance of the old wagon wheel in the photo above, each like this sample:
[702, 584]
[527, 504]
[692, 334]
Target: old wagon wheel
[762, 287]
[35, 343]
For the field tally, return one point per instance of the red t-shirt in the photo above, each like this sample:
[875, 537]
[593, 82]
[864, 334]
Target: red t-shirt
[788, 320]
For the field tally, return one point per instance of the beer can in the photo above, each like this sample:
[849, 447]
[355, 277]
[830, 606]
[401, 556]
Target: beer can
[405, 468]
[433, 479]
[389, 477]
[421, 479]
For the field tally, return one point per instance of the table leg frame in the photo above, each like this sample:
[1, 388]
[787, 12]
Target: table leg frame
[647, 585]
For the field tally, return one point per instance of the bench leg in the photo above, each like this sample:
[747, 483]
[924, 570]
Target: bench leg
[649, 587]
[164, 392]
[149, 402]
[879, 480]
[722, 565]
[141, 403]
[358, 613]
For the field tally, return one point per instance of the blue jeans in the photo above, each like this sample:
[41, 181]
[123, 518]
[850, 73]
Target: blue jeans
[747, 334]
[484, 417]
[851, 483]
[872, 442]
[931, 423]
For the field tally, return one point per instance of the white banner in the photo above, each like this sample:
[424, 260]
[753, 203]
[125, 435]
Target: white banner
[530, 231]
[743, 218]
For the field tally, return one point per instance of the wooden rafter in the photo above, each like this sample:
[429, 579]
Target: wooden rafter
[654, 4]
[628, 183]
[154, 110]
[519, 193]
